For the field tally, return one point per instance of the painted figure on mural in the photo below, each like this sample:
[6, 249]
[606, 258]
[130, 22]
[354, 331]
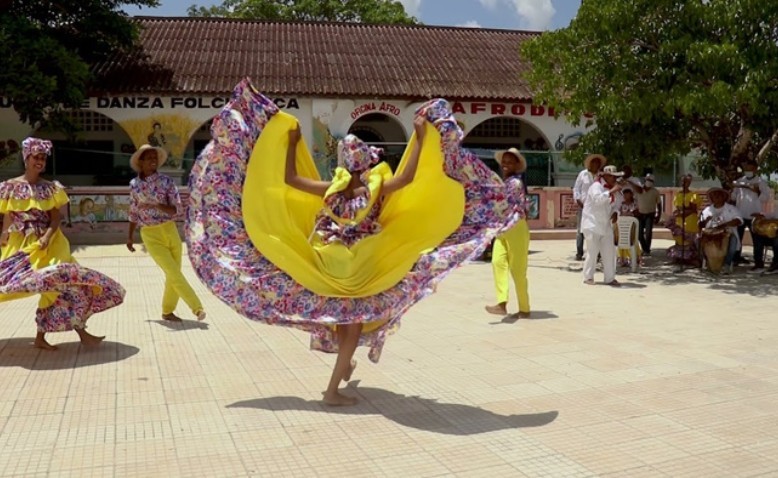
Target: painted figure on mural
[156, 138]
[9, 150]
[86, 212]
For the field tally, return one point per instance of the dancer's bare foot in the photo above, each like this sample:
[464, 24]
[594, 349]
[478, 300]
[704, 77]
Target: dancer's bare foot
[614, 283]
[40, 343]
[171, 317]
[338, 400]
[523, 315]
[200, 315]
[89, 340]
[353, 366]
[499, 309]
[589, 281]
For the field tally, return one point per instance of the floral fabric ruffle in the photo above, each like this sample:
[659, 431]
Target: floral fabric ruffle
[18, 196]
[81, 292]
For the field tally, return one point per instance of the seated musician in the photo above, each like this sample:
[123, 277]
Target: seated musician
[722, 216]
[765, 234]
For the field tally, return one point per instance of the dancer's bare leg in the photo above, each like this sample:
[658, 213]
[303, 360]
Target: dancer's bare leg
[40, 342]
[88, 339]
[348, 339]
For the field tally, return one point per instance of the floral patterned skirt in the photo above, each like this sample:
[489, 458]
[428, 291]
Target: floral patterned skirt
[235, 271]
[70, 293]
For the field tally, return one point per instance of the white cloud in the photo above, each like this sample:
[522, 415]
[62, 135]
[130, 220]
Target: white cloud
[535, 14]
[490, 4]
[470, 24]
[411, 6]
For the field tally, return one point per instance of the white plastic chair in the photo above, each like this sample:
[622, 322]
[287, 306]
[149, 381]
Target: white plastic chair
[628, 239]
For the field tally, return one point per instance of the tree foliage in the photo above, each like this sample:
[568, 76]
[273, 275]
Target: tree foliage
[667, 77]
[353, 11]
[48, 47]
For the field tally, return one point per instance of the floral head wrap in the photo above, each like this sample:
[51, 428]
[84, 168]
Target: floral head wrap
[355, 155]
[31, 146]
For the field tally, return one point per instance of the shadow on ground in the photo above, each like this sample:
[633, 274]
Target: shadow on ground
[182, 325]
[19, 352]
[410, 411]
[536, 315]
[738, 283]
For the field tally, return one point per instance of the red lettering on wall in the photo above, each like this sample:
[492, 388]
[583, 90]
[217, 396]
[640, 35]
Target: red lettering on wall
[518, 109]
[537, 110]
[498, 109]
[458, 107]
[475, 108]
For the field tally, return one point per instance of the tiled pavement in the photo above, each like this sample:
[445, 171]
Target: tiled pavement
[672, 375]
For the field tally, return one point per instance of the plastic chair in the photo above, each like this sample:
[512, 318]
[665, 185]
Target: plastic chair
[628, 239]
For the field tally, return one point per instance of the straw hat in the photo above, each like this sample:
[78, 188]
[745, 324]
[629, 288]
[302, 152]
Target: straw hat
[717, 190]
[603, 160]
[135, 158]
[522, 161]
[612, 171]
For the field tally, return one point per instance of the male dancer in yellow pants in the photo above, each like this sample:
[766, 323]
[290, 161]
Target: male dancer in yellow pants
[154, 203]
[511, 249]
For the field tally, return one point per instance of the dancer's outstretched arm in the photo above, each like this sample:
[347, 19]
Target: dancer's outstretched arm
[312, 186]
[409, 172]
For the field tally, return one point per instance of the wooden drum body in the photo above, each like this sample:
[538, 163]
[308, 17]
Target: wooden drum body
[714, 244]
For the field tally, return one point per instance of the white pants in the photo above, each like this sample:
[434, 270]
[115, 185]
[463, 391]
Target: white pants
[603, 246]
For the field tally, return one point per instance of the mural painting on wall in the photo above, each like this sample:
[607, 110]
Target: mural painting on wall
[533, 207]
[170, 132]
[101, 212]
[88, 211]
[10, 154]
[568, 208]
[324, 149]
[568, 142]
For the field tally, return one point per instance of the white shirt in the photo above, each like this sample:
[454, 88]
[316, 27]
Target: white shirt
[598, 208]
[721, 215]
[747, 201]
[583, 182]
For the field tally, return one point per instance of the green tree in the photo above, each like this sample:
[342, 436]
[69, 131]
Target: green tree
[48, 47]
[667, 77]
[354, 11]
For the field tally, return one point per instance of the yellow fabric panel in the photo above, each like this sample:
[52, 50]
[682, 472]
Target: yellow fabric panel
[57, 200]
[280, 220]
[680, 200]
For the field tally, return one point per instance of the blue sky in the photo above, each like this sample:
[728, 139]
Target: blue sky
[510, 14]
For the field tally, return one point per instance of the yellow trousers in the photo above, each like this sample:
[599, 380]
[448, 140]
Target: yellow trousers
[510, 254]
[164, 245]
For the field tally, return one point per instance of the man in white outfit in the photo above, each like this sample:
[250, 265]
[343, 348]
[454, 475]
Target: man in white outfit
[750, 194]
[600, 212]
[592, 165]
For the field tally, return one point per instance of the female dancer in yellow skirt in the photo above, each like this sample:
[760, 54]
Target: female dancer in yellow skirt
[35, 256]
[342, 259]
[154, 204]
[511, 249]
[683, 224]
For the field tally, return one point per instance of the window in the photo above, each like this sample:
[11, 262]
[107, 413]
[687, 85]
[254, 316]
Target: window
[89, 158]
